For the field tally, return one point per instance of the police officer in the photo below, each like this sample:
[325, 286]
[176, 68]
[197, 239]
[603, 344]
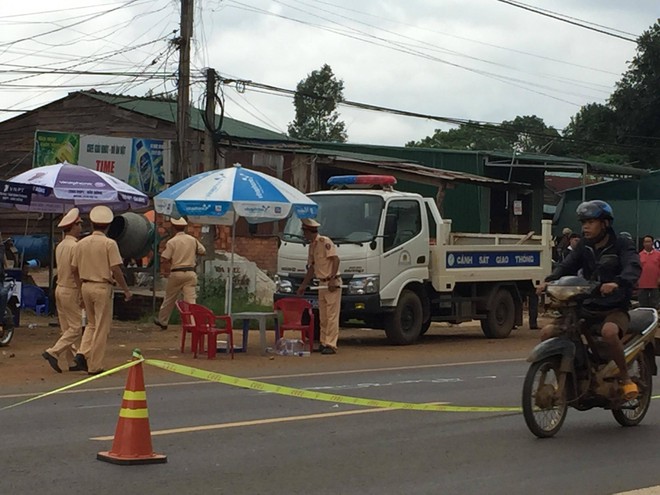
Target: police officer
[97, 266]
[180, 257]
[67, 296]
[323, 263]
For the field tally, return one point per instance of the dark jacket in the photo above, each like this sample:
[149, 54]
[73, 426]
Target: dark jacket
[617, 261]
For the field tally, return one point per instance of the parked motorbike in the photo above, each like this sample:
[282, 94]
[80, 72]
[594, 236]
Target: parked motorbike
[574, 369]
[7, 319]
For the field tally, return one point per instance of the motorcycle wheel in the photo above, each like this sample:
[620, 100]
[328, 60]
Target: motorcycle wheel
[544, 409]
[635, 410]
[6, 329]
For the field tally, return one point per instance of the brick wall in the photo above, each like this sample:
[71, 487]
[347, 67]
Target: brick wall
[260, 248]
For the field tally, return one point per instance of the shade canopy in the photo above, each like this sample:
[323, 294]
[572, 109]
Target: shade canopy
[69, 186]
[218, 196]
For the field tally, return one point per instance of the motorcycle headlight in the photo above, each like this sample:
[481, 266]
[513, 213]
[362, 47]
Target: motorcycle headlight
[367, 284]
[283, 285]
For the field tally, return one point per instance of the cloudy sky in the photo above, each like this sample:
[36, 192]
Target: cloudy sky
[483, 60]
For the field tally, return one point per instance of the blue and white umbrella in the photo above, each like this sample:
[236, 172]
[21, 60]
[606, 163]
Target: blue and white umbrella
[219, 196]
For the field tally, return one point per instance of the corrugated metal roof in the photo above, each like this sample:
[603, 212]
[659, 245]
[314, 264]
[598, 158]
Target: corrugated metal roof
[166, 110]
[402, 169]
[413, 171]
[553, 162]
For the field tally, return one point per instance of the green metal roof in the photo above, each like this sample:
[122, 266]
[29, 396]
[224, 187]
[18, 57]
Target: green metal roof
[166, 110]
[564, 161]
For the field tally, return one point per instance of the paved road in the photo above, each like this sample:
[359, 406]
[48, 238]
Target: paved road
[243, 441]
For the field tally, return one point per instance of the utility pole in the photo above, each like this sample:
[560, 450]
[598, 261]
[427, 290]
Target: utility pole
[181, 168]
[209, 128]
[207, 237]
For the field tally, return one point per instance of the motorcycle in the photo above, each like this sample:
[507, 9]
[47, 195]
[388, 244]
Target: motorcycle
[573, 368]
[7, 320]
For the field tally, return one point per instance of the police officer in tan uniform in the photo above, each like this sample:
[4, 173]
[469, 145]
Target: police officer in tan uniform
[180, 256]
[323, 263]
[97, 265]
[67, 296]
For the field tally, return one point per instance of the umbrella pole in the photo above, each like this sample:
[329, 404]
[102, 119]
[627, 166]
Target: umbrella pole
[51, 246]
[154, 267]
[230, 279]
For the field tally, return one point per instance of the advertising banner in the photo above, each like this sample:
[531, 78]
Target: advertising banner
[142, 163]
[111, 155]
[55, 147]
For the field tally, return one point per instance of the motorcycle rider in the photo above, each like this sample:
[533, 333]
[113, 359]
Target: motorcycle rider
[614, 262]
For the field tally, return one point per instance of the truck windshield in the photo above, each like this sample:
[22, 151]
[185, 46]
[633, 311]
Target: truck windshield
[344, 218]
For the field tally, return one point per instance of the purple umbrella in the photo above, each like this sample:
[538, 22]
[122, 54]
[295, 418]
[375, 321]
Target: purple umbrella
[72, 185]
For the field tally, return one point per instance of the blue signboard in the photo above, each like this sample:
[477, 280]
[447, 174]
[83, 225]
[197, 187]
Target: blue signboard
[479, 259]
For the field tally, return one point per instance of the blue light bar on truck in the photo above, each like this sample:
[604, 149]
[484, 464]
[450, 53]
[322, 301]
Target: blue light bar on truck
[367, 180]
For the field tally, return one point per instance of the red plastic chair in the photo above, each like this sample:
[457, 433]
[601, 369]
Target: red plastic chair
[187, 322]
[292, 309]
[205, 322]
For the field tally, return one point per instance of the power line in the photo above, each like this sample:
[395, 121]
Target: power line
[512, 81]
[565, 19]
[62, 28]
[490, 126]
[463, 38]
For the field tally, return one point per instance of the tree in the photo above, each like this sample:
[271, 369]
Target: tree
[524, 133]
[636, 101]
[591, 133]
[316, 100]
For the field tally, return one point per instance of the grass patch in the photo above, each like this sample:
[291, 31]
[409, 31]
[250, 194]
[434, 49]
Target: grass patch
[212, 295]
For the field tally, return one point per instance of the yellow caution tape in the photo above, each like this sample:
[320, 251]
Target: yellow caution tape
[78, 383]
[306, 394]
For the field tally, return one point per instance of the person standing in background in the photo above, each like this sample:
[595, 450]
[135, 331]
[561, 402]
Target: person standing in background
[323, 263]
[178, 263]
[97, 266]
[649, 295]
[67, 297]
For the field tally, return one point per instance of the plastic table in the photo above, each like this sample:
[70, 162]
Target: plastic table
[261, 318]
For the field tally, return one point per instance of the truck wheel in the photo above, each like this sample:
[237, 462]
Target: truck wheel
[425, 326]
[404, 325]
[499, 320]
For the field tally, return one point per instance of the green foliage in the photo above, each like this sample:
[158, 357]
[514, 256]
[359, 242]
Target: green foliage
[625, 130]
[522, 134]
[212, 295]
[316, 100]
[636, 101]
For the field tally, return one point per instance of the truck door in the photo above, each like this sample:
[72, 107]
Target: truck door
[405, 246]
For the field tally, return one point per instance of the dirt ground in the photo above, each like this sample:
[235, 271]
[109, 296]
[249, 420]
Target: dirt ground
[22, 369]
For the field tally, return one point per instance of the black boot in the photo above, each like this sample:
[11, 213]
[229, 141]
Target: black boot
[81, 363]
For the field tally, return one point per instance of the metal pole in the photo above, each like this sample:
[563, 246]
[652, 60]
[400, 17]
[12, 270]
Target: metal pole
[154, 266]
[584, 183]
[230, 278]
[637, 214]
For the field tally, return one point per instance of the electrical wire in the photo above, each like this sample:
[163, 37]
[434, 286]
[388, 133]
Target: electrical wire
[463, 38]
[490, 126]
[516, 82]
[558, 17]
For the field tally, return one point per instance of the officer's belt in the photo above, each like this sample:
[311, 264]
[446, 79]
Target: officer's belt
[183, 269]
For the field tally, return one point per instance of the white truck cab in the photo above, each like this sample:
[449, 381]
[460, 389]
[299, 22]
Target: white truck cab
[403, 268]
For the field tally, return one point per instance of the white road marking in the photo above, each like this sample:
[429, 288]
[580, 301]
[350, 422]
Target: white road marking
[651, 490]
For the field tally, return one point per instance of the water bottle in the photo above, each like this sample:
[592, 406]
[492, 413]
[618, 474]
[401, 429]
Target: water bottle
[291, 347]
